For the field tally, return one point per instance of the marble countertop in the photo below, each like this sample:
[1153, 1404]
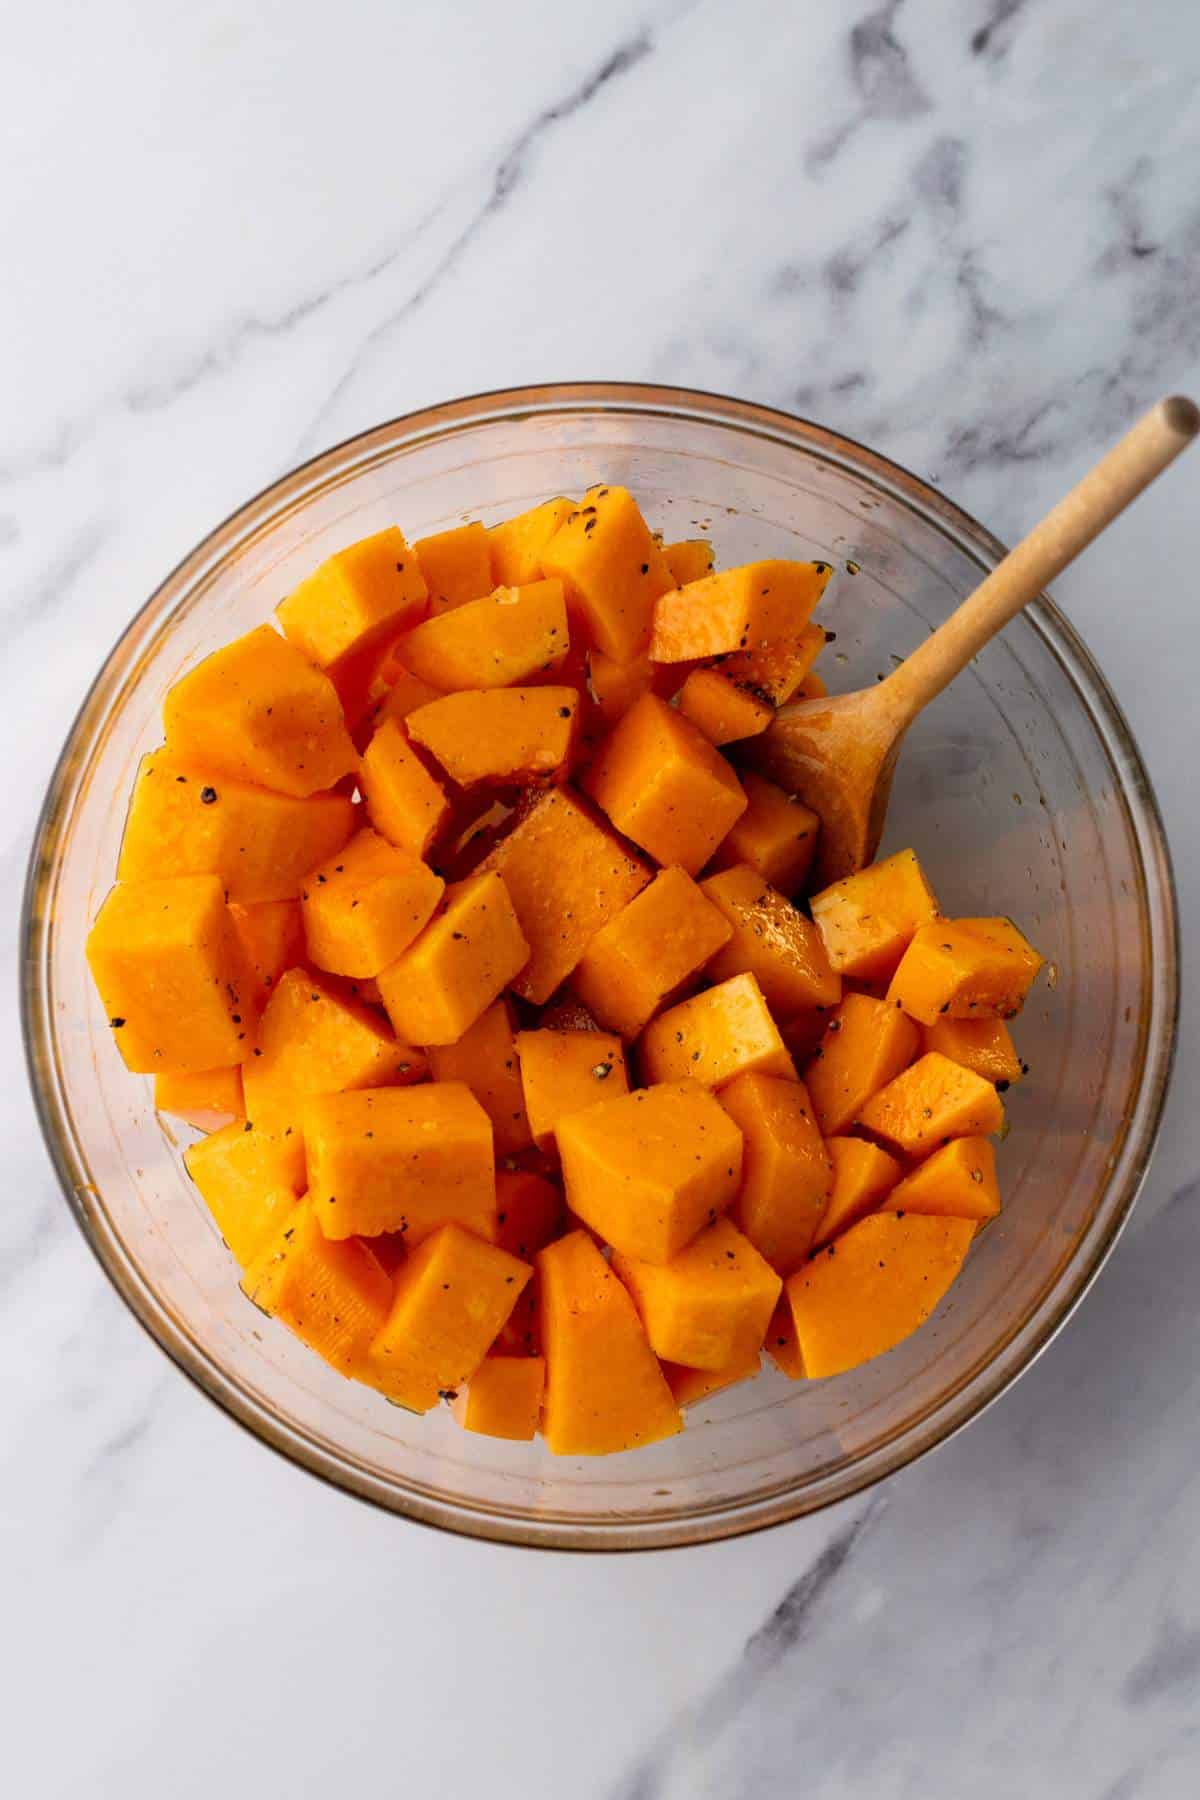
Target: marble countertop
[967, 231]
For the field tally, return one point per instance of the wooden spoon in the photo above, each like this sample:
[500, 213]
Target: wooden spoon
[838, 754]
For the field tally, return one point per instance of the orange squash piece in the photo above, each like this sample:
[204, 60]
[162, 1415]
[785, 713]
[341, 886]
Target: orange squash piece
[659, 941]
[786, 1172]
[508, 737]
[966, 968]
[188, 820]
[868, 920]
[604, 1388]
[664, 785]
[361, 677]
[776, 836]
[812, 688]
[724, 712]
[737, 609]
[771, 940]
[863, 1177]
[725, 1031]
[406, 804]
[872, 1288]
[462, 961]
[315, 1038]
[647, 1170]
[246, 1172]
[611, 569]
[866, 1044]
[529, 1212]
[372, 585]
[615, 687]
[803, 1032]
[933, 1100]
[393, 698]
[956, 1182]
[271, 933]
[517, 544]
[691, 1385]
[334, 1297]
[457, 566]
[363, 909]
[564, 1071]
[401, 1159]
[259, 711]
[710, 1305]
[781, 1343]
[496, 642]
[776, 672]
[594, 876]
[204, 1098]
[688, 560]
[171, 975]
[984, 1045]
[485, 1059]
[503, 1398]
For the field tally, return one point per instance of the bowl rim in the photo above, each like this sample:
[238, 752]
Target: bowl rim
[1158, 911]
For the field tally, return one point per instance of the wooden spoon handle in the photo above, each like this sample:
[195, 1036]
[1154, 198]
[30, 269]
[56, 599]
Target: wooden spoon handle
[1119, 477]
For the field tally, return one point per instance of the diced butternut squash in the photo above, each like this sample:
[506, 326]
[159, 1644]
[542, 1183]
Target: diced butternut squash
[315, 1038]
[495, 642]
[739, 609]
[872, 1288]
[786, 1172]
[781, 1343]
[457, 566]
[594, 877]
[171, 975]
[984, 1045]
[271, 933]
[243, 1171]
[664, 785]
[485, 1058]
[812, 687]
[564, 1071]
[933, 1100]
[618, 686]
[529, 1212]
[639, 959]
[868, 920]
[361, 677]
[688, 560]
[503, 1398]
[866, 1044]
[710, 1305]
[776, 836]
[374, 584]
[259, 711]
[401, 1159]
[863, 1177]
[187, 820]
[611, 569]
[394, 698]
[966, 968]
[725, 1031]
[956, 1182]
[772, 940]
[362, 909]
[776, 672]
[690, 1385]
[504, 738]
[649, 1169]
[406, 804]
[462, 961]
[724, 712]
[205, 1098]
[604, 1388]
[335, 1297]
[517, 544]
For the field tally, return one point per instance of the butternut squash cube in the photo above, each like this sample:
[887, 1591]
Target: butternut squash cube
[866, 1044]
[664, 785]
[647, 1170]
[564, 1071]
[452, 1295]
[258, 711]
[737, 609]
[618, 686]
[363, 909]
[372, 584]
[485, 1059]
[933, 1100]
[245, 1173]
[495, 642]
[872, 1288]
[188, 820]
[271, 933]
[594, 877]
[786, 1172]
[503, 1398]
[776, 836]
[659, 941]
[457, 566]
[781, 1343]
[688, 560]
[776, 672]
[710, 1305]
[334, 1297]
[771, 940]
[604, 1388]
[611, 569]
[465, 957]
[812, 688]
[171, 975]
[968, 968]
[509, 737]
[529, 1212]
[957, 1182]
[361, 677]
[394, 698]
[204, 1098]
[725, 1031]
[405, 803]
[868, 920]
[863, 1177]
[316, 1038]
[984, 1045]
[517, 543]
[401, 1159]
[691, 1385]
[724, 711]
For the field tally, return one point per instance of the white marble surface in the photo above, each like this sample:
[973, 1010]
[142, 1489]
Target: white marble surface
[965, 230]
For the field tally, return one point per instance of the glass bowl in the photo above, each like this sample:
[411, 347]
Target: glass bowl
[1021, 789]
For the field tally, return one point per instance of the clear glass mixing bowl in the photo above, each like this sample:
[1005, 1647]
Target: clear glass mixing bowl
[1021, 789]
